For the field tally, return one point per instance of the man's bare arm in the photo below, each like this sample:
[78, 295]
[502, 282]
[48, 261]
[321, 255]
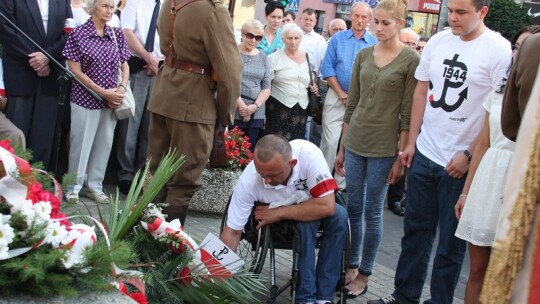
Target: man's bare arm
[230, 237]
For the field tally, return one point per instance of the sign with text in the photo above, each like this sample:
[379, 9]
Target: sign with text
[429, 6]
[219, 259]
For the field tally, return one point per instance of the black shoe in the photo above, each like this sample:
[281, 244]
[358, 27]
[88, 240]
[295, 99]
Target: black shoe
[386, 300]
[351, 295]
[124, 186]
[396, 208]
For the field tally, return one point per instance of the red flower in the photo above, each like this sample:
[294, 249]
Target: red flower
[184, 276]
[139, 297]
[176, 250]
[34, 191]
[237, 146]
[6, 144]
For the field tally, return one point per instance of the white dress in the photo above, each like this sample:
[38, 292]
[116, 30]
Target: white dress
[478, 223]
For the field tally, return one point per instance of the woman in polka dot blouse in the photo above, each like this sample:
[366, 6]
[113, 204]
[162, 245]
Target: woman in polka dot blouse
[94, 54]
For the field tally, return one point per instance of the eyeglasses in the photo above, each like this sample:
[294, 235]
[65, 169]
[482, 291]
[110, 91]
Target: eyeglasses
[251, 36]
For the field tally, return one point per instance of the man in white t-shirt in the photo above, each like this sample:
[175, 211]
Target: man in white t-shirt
[295, 176]
[139, 28]
[457, 71]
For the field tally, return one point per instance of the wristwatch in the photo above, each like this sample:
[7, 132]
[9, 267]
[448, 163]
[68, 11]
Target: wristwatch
[468, 155]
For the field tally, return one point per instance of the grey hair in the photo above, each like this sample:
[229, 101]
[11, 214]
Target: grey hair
[409, 31]
[270, 145]
[91, 5]
[363, 4]
[252, 23]
[291, 28]
[335, 21]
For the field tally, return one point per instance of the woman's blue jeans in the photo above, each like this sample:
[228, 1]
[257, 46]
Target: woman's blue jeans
[367, 183]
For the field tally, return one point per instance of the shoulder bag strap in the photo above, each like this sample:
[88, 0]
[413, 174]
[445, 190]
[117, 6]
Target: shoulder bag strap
[309, 69]
[174, 10]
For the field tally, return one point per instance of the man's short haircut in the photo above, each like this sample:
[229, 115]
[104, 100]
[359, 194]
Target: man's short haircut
[361, 3]
[270, 145]
[478, 4]
[287, 13]
[309, 11]
[272, 6]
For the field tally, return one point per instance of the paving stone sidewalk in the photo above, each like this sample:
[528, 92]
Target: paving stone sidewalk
[199, 224]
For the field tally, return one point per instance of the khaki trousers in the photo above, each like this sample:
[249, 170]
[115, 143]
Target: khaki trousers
[194, 140]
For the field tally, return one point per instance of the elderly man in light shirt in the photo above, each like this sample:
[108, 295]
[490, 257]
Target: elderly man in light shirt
[409, 37]
[336, 25]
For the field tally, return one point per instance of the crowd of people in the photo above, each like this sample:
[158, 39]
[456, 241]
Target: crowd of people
[400, 114]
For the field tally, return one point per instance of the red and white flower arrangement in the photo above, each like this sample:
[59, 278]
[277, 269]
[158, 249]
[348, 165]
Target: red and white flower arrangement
[30, 215]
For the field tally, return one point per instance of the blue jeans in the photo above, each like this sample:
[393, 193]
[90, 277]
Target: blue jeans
[431, 196]
[318, 282]
[367, 183]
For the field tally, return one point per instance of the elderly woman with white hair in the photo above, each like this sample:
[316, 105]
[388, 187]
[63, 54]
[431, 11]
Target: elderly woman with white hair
[249, 116]
[94, 52]
[286, 108]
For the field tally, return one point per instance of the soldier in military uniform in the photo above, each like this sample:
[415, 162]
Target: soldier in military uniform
[186, 102]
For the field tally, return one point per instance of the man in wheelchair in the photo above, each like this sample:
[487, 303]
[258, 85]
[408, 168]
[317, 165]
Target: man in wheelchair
[282, 172]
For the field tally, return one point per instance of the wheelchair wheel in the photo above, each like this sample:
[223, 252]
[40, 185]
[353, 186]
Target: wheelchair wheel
[253, 245]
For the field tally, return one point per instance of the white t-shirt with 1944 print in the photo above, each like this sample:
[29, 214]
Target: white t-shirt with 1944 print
[461, 75]
[310, 177]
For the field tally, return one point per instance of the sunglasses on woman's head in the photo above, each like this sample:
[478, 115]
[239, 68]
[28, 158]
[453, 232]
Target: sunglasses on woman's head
[251, 36]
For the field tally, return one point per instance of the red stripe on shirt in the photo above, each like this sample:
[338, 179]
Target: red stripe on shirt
[2, 92]
[323, 187]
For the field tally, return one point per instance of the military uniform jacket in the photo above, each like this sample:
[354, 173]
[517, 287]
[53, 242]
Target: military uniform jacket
[203, 34]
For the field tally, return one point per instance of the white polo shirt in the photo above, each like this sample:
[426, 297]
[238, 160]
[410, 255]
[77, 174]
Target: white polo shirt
[136, 16]
[310, 175]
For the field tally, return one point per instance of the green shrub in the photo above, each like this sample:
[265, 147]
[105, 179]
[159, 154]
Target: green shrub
[507, 17]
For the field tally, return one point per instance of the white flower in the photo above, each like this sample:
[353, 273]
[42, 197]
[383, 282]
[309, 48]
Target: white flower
[80, 236]
[56, 234]
[43, 211]
[4, 219]
[6, 234]
[25, 208]
[3, 252]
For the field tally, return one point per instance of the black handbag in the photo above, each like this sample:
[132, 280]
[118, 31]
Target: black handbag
[315, 102]
[136, 64]
[218, 156]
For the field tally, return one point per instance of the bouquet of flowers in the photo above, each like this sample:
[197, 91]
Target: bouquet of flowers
[41, 251]
[237, 146]
[175, 268]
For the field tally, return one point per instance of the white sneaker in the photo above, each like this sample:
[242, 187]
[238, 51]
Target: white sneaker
[98, 197]
[72, 197]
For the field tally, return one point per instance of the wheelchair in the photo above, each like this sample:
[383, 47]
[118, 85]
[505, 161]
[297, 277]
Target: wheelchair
[255, 245]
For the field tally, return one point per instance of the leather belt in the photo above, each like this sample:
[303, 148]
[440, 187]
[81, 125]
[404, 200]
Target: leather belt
[188, 66]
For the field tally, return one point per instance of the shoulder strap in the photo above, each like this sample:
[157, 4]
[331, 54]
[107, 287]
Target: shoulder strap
[175, 8]
[309, 69]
